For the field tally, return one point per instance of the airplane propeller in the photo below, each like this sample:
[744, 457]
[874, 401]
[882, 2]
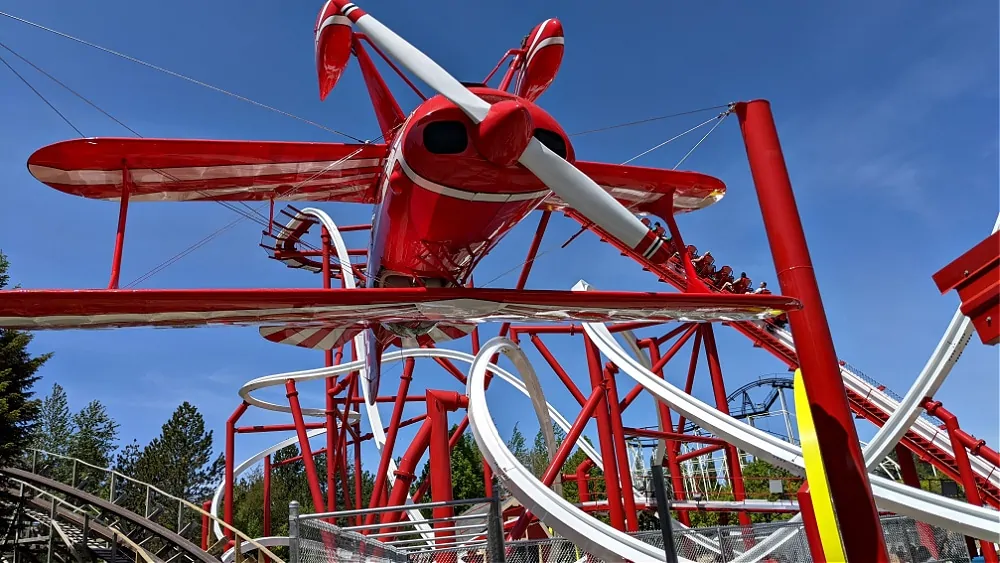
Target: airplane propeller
[569, 183]
[504, 135]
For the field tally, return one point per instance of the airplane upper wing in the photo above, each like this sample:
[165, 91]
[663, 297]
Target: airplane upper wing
[102, 308]
[189, 170]
[637, 186]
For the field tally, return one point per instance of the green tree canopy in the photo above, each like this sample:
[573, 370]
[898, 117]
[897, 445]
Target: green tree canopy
[179, 460]
[18, 411]
[95, 435]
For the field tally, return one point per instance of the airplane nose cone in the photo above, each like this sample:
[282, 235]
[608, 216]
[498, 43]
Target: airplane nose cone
[505, 132]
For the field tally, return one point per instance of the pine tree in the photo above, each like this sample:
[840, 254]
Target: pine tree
[179, 460]
[127, 463]
[52, 434]
[539, 455]
[18, 411]
[95, 435]
[517, 446]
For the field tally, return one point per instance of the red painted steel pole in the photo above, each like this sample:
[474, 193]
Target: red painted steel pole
[908, 469]
[835, 432]
[676, 479]
[621, 454]
[605, 440]
[230, 463]
[440, 463]
[722, 403]
[390, 439]
[307, 458]
[964, 469]
[266, 526]
[405, 475]
[329, 382]
[689, 382]
[206, 524]
[809, 523]
[583, 479]
[116, 261]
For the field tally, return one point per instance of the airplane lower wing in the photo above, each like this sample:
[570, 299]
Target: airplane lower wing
[103, 308]
[193, 170]
[637, 187]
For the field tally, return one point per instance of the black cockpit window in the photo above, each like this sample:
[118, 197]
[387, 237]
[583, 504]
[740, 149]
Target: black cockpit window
[552, 141]
[445, 137]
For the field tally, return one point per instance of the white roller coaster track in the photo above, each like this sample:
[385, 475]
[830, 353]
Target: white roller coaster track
[600, 539]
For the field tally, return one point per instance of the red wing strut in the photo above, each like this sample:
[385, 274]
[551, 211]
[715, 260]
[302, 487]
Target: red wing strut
[63, 309]
[190, 170]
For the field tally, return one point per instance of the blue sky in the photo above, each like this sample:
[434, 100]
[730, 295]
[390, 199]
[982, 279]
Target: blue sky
[887, 114]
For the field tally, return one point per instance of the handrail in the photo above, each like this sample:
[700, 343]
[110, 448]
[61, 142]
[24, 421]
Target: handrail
[244, 538]
[118, 534]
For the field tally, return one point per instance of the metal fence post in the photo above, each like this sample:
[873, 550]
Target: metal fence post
[82, 548]
[52, 531]
[494, 523]
[663, 508]
[293, 532]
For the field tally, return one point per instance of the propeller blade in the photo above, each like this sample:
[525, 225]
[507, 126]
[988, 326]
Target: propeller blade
[583, 194]
[573, 186]
[422, 66]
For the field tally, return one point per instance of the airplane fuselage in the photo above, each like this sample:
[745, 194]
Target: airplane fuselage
[443, 206]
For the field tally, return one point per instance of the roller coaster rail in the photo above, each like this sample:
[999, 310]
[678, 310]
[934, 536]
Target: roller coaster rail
[114, 478]
[57, 504]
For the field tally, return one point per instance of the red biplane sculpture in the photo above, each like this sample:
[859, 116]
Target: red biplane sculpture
[450, 180]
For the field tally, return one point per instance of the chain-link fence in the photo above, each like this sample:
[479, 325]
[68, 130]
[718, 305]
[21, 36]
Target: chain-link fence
[433, 536]
[475, 537]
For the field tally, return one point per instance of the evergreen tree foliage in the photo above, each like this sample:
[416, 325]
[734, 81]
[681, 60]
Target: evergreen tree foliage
[95, 435]
[179, 460]
[518, 446]
[55, 425]
[18, 411]
[467, 479]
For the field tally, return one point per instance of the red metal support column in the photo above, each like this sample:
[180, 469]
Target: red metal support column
[230, 464]
[266, 525]
[964, 468]
[329, 382]
[809, 523]
[307, 457]
[390, 439]
[615, 507]
[206, 524]
[621, 453]
[836, 435]
[722, 403]
[116, 261]
[676, 479]
[358, 483]
[908, 469]
[438, 405]
[405, 474]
